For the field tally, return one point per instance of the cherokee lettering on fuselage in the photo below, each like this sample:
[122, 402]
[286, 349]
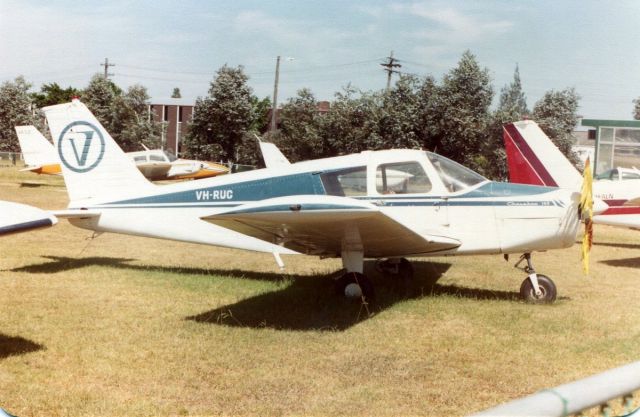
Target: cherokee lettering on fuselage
[209, 195]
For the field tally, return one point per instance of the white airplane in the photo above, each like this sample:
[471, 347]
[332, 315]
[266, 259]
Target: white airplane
[333, 207]
[534, 159]
[156, 164]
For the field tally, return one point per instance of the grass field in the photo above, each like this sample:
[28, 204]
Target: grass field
[128, 326]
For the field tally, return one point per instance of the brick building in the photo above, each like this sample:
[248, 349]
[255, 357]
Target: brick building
[175, 114]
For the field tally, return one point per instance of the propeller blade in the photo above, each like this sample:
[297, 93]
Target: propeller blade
[586, 212]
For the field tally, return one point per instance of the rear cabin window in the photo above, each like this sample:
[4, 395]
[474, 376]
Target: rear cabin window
[402, 178]
[630, 175]
[347, 182]
[140, 158]
[156, 158]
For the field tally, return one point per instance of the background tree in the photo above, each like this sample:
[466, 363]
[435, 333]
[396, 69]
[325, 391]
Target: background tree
[398, 125]
[16, 108]
[636, 109]
[462, 110]
[512, 107]
[248, 151]
[132, 123]
[221, 119]
[99, 97]
[557, 114]
[298, 134]
[352, 123]
[176, 93]
[52, 93]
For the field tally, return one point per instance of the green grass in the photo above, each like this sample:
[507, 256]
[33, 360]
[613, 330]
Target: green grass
[129, 326]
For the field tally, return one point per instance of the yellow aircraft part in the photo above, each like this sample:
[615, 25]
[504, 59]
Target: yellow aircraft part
[212, 171]
[50, 169]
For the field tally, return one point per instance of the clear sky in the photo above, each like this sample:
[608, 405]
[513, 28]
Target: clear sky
[161, 44]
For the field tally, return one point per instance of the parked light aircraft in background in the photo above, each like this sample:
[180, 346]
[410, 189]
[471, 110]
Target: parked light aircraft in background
[534, 159]
[41, 158]
[333, 207]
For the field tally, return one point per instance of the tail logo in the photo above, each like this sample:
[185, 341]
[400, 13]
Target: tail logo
[81, 146]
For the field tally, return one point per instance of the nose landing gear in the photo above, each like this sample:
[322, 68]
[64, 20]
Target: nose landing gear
[536, 288]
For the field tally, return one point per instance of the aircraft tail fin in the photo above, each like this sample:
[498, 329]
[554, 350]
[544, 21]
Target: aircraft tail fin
[93, 165]
[36, 149]
[534, 159]
[272, 156]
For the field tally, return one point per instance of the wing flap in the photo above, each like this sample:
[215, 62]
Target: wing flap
[319, 225]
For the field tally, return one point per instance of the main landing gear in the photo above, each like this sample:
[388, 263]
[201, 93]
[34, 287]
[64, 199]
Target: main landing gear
[354, 284]
[536, 288]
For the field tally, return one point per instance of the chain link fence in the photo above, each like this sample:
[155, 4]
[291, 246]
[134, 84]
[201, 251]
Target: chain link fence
[10, 158]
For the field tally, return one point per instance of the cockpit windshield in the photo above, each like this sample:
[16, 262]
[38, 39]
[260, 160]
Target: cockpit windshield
[170, 156]
[454, 176]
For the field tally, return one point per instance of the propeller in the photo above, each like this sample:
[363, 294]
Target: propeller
[586, 213]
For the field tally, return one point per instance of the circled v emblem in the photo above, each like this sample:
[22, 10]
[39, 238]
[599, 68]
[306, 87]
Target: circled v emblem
[81, 146]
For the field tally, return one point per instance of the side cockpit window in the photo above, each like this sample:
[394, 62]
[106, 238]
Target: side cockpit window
[402, 178]
[346, 182]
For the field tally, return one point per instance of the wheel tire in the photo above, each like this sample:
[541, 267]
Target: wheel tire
[354, 285]
[547, 287]
[401, 270]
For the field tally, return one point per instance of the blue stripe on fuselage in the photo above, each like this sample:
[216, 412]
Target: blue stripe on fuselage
[311, 184]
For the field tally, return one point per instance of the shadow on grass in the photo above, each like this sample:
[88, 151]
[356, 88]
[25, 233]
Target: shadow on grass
[62, 263]
[617, 245]
[15, 345]
[627, 262]
[310, 303]
[306, 303]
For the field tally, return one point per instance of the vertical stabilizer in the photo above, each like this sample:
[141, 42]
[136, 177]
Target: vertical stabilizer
[36, 149]
[272, 156]
[93, 165]
[534, 159]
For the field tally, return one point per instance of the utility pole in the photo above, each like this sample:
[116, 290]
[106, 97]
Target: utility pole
[274, 107]
[106, 66]
[389, 67]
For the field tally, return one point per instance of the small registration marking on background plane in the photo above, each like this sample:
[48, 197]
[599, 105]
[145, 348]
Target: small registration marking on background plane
[384, 205]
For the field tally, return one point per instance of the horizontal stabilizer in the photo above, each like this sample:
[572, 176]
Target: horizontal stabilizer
[320, 225]
[75, 214]
[16, 218]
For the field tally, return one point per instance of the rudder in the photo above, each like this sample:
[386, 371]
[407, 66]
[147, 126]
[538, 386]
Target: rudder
[534, 159]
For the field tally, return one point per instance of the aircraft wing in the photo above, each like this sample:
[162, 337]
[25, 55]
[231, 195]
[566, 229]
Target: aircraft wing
[16, 218]
[32, 168]
[321, 225]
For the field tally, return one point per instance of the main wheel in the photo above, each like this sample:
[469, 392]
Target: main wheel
[354, 285]
[547, 287]
[396, 268]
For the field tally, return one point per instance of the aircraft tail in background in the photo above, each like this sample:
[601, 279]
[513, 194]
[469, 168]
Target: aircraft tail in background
[38, 153]
[93, 165]
[534, 159]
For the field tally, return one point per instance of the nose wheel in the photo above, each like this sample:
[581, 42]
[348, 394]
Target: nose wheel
[546, 290]
[536, 288]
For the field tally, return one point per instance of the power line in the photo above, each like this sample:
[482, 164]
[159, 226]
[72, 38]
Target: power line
[389, 68]
[106, 66]
[251, 73]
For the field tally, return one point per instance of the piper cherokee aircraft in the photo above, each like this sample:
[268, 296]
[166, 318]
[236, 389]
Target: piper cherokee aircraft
[352, 207]
[155, 164]
[534, 159]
